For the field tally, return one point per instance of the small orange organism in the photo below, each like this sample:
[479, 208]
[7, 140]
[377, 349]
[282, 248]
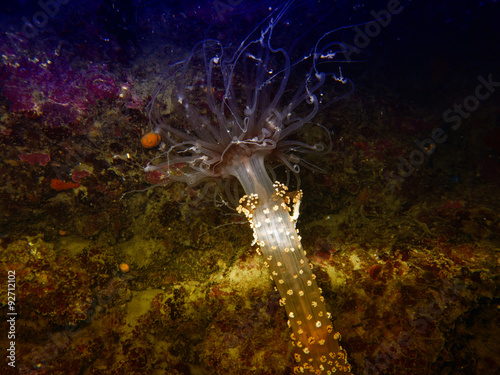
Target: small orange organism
[150, 140]
[124, 267]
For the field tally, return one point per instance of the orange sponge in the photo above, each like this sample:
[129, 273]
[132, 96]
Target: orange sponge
[150, 140]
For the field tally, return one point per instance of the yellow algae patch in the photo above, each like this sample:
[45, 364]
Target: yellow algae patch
[241, 277]
[141, 252]
[337, 277]
[140, 304]
[356, 262]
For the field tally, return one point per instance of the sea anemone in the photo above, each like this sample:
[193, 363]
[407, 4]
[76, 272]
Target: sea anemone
[234, 113]
[217, 106]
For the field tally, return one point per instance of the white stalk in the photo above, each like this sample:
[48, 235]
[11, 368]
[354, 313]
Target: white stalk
[272, 212]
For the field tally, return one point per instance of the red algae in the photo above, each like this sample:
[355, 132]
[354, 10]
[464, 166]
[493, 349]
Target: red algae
[77, 175]
[375, 270]
[61, 185]
[35, 158]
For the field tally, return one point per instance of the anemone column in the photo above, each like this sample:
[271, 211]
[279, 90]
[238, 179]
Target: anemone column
[272, 212]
